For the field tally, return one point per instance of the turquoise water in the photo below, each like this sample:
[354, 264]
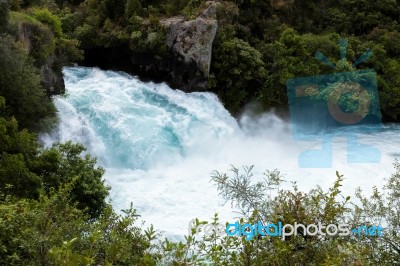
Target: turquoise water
[160, 145]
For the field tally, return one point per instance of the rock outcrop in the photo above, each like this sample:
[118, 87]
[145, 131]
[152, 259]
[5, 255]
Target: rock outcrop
[185, 66]
[51, 76]
[191, 43]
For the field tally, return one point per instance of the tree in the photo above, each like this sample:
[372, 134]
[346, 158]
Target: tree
[65, 163]
[266, 202]
[4, 15]
[53, 231]
[17, 151]
[26, 173]
[382, 207]
[20, 86]
[238, 69]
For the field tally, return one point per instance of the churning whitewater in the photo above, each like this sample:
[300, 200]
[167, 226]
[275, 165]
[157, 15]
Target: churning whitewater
[159, 146]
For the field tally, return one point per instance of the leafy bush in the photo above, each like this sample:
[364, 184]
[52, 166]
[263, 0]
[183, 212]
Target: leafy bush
[191, 8]
[47, 18]
[26, 173]
[20, 86]
[64, 164]
[52, 231]
[265, 201]
[383, 207]
[4, 15]
[236, 64]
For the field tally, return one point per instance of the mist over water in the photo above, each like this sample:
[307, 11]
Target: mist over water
[159, 146]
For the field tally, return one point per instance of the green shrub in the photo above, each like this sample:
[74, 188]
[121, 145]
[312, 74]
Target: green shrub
[64, 164]
[236, 63]
[47, 18]
[52, 231]
[191, 9]
[20, 17]
[20, 86]
[267, 202]
[4, 15]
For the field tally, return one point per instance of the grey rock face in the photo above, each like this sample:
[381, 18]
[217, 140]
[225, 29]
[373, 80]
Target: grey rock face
[193, 39]
[191, 42]
[186, 66]
[51, 79]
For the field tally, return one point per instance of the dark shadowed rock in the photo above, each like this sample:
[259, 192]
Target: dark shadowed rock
[51, 78]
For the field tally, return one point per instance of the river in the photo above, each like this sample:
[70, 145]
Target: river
[159, 146]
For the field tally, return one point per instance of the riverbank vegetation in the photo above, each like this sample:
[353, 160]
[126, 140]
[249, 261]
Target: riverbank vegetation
[267, 202]
[272, 40]
[53, 202]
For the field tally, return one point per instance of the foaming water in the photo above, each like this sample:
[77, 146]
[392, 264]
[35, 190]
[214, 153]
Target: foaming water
[159, 146]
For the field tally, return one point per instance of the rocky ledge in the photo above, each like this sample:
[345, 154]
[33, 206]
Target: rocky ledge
[186, 66]
[190, 43]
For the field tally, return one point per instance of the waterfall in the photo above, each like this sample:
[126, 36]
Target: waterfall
[159, 146]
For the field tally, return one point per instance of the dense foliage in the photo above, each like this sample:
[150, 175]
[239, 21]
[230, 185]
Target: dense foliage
[53, 207]
[267, 202]
[289, 33]
[20, 85]
[53, 231]
[274, 40]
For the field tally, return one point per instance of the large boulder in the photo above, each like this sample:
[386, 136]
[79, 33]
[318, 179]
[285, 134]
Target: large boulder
[190, 43]
[185, 66]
